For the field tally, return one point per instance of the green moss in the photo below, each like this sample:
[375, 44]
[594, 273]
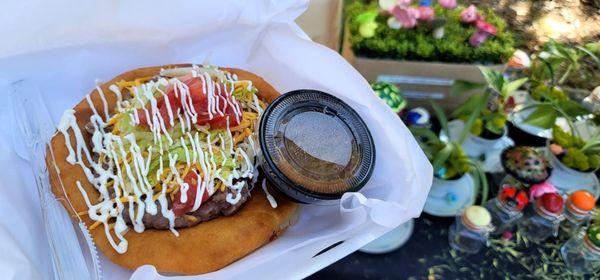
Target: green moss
[576, 159]
[419, 44]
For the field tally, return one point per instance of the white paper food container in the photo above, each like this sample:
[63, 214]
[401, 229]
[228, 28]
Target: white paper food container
[63, 47]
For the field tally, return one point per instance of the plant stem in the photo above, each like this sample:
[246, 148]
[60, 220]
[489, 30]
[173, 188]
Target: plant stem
[565, 75]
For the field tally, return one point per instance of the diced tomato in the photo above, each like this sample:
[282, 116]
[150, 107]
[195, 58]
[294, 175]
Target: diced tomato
[179, 208]
[200, 103]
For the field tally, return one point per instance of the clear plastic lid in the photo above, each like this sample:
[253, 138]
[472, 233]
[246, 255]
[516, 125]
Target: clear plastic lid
[315, 147]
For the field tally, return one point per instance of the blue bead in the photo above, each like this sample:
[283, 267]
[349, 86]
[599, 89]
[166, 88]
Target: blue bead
[451, 197]
[441, 172]
[413, 117]
[425, 3]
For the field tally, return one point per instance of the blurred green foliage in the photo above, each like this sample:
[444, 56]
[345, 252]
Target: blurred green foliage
[419, 43]
[490, 122]
[559, 64]
[580, 155]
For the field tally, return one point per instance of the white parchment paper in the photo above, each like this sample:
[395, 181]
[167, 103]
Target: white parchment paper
[65, 46]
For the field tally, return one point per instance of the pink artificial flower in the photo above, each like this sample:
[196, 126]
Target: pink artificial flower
[468, 15]
[448, 4]
[540, 189]
[477, 38]
[404, 3]
[484, 30]
[406, 16]
[426, 13]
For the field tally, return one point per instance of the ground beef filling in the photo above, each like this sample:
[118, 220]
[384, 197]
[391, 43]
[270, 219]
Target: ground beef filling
[214, 207]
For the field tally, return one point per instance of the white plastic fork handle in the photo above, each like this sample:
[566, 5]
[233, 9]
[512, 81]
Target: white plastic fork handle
[36, 125]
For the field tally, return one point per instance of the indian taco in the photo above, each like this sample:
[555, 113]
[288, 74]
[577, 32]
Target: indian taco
[161, 162]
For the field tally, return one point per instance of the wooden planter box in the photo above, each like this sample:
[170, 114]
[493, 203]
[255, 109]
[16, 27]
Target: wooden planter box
[419, 81]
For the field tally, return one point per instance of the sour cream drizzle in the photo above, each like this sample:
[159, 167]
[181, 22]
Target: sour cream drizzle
[126, 162]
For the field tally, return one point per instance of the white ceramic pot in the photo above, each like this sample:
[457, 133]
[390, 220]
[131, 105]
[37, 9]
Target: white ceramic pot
[568, 180]
[518, 119]
[475, 147]
[447, 198]
[390, 241]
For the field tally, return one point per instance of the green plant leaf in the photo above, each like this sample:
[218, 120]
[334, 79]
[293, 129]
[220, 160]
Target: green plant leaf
[442, 156]
[543, 116]
[460, 86]
[467, 107]
[425, 133]
[510, 87]
[590, 54]
[494, 79]
[441, 116]
[480, 181]
[366, 16]
[474, 115]
[572, 108]
[593, 47]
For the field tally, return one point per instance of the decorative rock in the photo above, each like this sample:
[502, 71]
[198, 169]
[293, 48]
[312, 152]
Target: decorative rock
[393, 23]
[438, 33]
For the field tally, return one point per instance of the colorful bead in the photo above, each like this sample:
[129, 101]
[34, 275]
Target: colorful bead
[583, 200]
[513, 197]
[418, 116]
[391, 94]
[556, 149]
[552, 202]
[593, 234]
[451, 198]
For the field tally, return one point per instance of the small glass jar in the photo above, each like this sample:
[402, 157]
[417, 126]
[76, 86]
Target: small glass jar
[581, 253]
[506, 209]
[470, 232]
[578, 211]
[509, 180]
[543, 218]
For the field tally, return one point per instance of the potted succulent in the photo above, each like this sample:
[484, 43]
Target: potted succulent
[557, 74]
[574, 160]
[488, 135]
[457, 178]
[423, 46]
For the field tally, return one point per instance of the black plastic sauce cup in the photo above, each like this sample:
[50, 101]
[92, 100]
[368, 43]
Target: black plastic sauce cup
[315, 147]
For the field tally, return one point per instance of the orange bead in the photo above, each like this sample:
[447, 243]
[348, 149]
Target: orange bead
[583, 200]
